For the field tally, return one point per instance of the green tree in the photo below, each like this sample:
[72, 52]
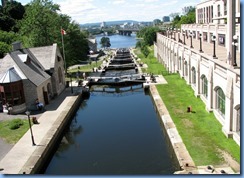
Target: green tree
[6, 40]
[76, 45]
[105, 42]
[148, 34]
[43, 18]
[10, 14]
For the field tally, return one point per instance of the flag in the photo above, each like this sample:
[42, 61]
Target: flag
[63, 32]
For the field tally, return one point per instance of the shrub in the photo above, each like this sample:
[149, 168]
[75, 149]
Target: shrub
[15, 124]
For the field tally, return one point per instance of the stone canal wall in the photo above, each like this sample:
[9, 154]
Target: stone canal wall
[60, 119]
[185, 161]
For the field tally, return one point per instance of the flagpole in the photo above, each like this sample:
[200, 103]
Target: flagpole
[62, 35]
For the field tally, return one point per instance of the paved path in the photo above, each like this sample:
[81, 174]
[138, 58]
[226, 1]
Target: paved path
[207, 48]
[54, 104]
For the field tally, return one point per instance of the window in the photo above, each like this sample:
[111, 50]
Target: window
[186, 68]
[219, 11]
[179, 63]
[60, 76]
[193, 76]
[238, 117]
[204, 86]
[220, 101]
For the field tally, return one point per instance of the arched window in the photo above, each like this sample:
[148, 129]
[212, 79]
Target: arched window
[180, 63]
[220, 101]
[193, 71]
[238, 117]
[60, 76]
[204, 86]
[186, 68]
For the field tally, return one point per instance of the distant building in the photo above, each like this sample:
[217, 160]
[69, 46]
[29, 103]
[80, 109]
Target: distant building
[156, 22]
[166, 19]
[103, 25]
[92, 43]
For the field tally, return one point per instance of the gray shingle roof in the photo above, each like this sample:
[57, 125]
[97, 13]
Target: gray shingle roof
[31, 66]
[30, 69]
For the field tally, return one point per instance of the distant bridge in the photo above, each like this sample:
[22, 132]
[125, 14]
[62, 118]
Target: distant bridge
[127, 32]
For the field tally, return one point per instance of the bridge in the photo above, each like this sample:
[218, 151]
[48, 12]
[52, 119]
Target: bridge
[127, 32]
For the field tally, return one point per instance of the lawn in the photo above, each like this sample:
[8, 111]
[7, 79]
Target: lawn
[200, 130]
[12, 136]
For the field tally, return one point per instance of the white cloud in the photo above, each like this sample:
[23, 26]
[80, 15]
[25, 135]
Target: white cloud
[87, 11]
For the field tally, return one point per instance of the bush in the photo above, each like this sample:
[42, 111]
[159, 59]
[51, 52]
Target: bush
[15, 124]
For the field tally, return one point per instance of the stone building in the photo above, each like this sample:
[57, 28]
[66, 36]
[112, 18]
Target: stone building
[30, 74]
[214, 78]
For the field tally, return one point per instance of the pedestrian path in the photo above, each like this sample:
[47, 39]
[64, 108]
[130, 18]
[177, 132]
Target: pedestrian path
[208, 49]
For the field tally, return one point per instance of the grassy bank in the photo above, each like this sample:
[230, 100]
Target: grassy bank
[12, 136]
[200, 130]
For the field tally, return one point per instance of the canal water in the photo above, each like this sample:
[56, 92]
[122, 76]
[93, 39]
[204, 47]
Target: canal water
[119, 41]
[116, 132]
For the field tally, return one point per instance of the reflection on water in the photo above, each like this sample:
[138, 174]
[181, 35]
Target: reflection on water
[118, 135]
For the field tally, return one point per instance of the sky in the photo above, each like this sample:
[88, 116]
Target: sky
[90, 11]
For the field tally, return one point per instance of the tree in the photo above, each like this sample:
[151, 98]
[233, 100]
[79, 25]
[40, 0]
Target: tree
[76, 45]
[148, 34]
[6, 40]
[43, 18]
[105, 42]
[10, 14]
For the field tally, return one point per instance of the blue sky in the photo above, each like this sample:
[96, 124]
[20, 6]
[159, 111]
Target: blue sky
[86, 11]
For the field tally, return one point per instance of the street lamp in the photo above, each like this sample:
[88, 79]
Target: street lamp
[191, 34]
[71, 87]
[32, 137]
[234, 44]
[171, 32]
[179, 35]
[184, 34]
[174, 32]
[214, 39]
[200, 38]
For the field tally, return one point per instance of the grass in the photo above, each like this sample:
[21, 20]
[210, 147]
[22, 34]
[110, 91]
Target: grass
[12, 136]
[200, 131]
[86, 68]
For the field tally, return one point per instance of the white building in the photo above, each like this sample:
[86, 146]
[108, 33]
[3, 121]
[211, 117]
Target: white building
[216, 80]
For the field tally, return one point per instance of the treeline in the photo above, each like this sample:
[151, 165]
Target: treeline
[38, 24]
[148, 35]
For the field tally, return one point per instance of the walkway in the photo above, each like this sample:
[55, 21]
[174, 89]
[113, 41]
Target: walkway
[22, 151]
[207, 48]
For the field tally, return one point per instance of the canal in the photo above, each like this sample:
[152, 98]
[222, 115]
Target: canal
[116, 132]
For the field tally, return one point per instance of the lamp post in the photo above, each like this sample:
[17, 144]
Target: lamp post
[200, 38]
[184, 34]
[32, 137]
[214, 39]
[71, 87]
[171, 33]
[234, 44]
[179, 35]
[174, 33]
[191, 34]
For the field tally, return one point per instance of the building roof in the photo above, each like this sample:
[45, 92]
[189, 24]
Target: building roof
[10, 75]
[46, 55]
[31, 63]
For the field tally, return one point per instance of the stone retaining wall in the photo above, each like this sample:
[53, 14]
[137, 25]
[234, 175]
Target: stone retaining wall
[39, 158]
[185, 161]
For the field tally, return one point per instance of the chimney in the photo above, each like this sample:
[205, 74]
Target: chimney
[17, 45]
